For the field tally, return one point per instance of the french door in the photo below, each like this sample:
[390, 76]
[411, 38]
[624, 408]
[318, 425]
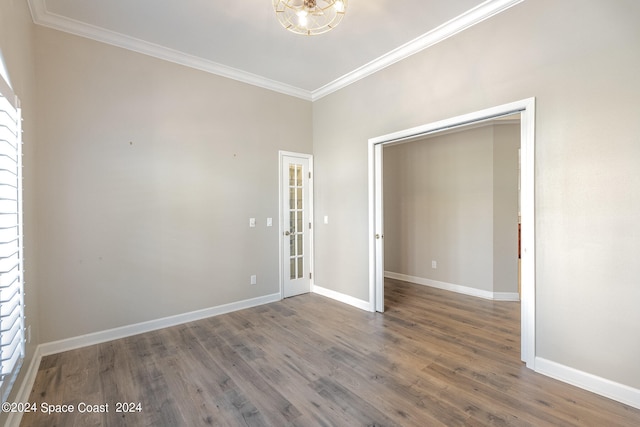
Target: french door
[295, 223]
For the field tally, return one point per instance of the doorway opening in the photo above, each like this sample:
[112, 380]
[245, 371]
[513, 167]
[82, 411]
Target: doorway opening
[526, 109]
[451, 210]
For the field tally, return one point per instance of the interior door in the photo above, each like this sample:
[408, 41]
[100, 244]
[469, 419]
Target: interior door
[379, 228]
[295, 225]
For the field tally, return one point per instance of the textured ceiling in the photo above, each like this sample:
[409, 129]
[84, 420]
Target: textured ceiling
[245, 36]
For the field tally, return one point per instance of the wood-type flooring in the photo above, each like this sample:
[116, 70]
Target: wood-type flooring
[434, 358]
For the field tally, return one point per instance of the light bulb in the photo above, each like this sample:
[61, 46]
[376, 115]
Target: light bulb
[302, 17]
[339, 6]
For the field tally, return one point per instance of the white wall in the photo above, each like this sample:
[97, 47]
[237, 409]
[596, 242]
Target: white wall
[148, 174]
[580, 60]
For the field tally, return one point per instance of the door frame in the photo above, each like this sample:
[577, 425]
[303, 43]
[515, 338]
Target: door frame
[526, 108]
[281, 225]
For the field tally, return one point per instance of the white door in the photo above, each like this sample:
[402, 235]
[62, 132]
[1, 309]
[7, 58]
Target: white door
[295, 224]
[379, 229]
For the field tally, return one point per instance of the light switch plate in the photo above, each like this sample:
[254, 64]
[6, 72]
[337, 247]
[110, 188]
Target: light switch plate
[252, 222]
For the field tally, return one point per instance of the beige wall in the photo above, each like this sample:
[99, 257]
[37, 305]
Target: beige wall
[580, 60]
[453, 199]
[16, 53]
[506, 142]
[148, 175]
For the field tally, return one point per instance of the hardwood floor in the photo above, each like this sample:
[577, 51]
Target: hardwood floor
[434, 358]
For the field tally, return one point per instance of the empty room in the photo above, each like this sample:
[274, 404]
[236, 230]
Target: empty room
[263, 213]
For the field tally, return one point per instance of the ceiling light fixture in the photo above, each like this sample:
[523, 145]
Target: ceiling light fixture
[309, 17]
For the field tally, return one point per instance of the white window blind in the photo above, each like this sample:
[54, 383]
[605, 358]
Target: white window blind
[11, 268]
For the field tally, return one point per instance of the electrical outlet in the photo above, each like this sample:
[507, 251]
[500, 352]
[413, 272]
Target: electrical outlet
[253, 279]
[434, 264]
[252, 222]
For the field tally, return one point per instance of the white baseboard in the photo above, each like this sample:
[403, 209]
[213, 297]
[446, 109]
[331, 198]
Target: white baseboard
[347, 299]
[598, 385]
[152, 325]
[14, 418]
[466, 290]
[122, 332]
[506, 296]
[602, 386]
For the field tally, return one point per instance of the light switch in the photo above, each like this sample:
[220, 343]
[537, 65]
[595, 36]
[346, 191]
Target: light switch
[252, 222]
[269, 222]
[326, 219]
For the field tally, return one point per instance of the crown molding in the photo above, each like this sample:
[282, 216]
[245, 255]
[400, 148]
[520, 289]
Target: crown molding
[41, 16]
[468, 19]
[485, 10]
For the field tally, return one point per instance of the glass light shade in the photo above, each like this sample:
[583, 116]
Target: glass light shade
[309, 17]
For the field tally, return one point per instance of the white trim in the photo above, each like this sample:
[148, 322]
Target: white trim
[376, 295]
[73, 343]
[593, 383]
[528, 236]
[485, 10]
[506, 296]
[601, 386]
[460, 289]
[24, 391]
[526, 108]
[419, 132]
[41, 16]
[450, 28]
[344, 298]
[152, 325]
[378, 188]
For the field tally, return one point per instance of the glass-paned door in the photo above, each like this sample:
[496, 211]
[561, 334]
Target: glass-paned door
[296, 225]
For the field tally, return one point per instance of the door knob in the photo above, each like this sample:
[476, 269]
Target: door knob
[286, 233]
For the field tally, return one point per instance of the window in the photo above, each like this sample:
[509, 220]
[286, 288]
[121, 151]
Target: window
[11, 269]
